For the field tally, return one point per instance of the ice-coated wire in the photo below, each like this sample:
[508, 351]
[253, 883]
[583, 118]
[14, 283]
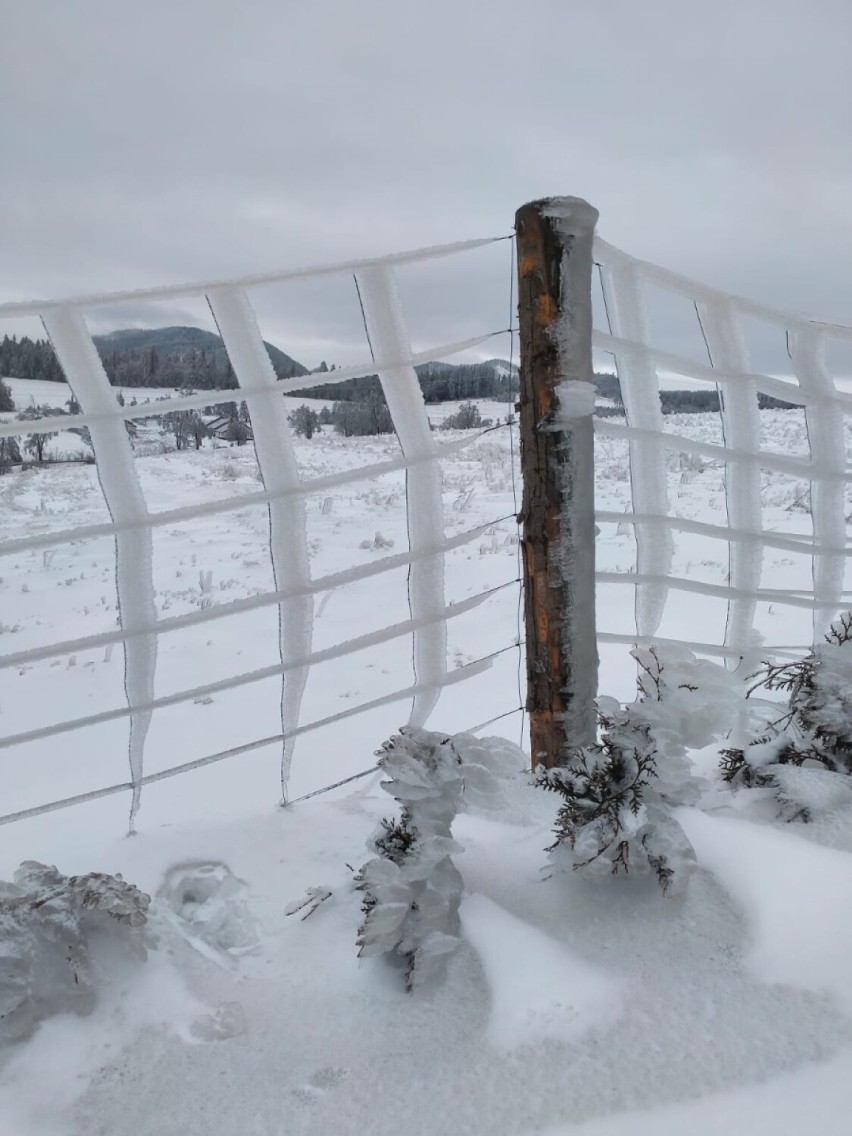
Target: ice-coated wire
[828, 453]
[622, 289]
[790, 542]
[250, 603]
[787, 652]
[338, 651]
[694, 290]
[203, 288]
[741, 432]
[126, 504]
[461, 674]
[389, 338]
[288, 529]
[690, 369]
[233, 504]
[799, 597]
[259, 397]
[679, 443]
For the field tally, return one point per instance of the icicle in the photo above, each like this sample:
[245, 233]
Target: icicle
[123, 494]
[741, 425]
[389, 340]
[288, 535]
[828, 455]
[640, 394]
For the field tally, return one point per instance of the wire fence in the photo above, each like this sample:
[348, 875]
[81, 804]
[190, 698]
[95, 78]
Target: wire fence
[783, 491]
[736, 574]
[144, 631]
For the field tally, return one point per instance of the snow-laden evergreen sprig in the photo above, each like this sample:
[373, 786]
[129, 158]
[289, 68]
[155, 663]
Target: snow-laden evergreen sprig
[611, 820]
[618, 794]
[48, 922]
[813, 731]
[412, 889]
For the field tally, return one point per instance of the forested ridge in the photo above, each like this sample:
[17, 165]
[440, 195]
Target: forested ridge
[190, 357]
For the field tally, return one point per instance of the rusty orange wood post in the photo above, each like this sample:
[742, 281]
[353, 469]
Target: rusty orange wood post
[554, 241]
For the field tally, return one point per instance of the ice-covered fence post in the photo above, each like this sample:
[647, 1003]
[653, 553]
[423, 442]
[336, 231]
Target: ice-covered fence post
[557, 457]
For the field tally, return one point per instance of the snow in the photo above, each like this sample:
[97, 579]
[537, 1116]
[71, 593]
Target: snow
[567, 1007]
[539, 991]
[814, 1100]
[789, 890]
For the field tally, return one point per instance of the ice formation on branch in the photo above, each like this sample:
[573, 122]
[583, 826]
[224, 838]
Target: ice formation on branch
[488, 764]
[618, 794]
[801, 751]
[48, 925]
[412, 889]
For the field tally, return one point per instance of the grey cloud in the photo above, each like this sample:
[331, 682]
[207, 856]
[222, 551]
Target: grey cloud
[167, 142]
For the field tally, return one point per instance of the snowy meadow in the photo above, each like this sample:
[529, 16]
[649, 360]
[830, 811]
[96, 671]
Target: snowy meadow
[568, 1004]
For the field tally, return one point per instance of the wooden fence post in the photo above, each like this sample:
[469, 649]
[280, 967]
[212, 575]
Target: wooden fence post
[554, 240]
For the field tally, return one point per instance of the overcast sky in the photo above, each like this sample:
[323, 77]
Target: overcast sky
[155, 142]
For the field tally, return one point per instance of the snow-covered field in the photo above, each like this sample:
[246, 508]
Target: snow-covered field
[569, 1008]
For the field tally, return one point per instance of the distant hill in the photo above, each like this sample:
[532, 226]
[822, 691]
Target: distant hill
[177, 356]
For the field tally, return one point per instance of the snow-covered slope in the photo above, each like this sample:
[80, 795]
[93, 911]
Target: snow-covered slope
[601, 1010]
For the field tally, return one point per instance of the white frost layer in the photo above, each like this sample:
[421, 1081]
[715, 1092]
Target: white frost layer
[826, 440]
[637, 375]
[389, 340]
[119, 482]
[288, 533]
[574, 399]
[792, 892]
[538, 990]
[741, 426]
[816, 1101]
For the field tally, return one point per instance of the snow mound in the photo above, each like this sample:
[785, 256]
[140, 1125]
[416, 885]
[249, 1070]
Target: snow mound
[206, 903]
[539, 991]
[791, 891]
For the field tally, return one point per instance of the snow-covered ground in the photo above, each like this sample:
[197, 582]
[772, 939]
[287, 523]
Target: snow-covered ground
[600, 1010]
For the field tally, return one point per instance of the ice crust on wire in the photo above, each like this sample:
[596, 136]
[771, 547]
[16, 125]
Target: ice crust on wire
[826, 440]
[637, 376]
[389, 340]
[412, 889]
[49, 924]
[122, 492]
[741, 425]
[288, 535]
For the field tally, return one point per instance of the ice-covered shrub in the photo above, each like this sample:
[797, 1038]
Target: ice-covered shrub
[813, 732]
[412, 889]
[488, 764]
[618, 794]
[48, 926]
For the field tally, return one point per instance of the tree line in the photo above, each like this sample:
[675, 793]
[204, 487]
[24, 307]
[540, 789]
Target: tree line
[202, 369]
[679, 401]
